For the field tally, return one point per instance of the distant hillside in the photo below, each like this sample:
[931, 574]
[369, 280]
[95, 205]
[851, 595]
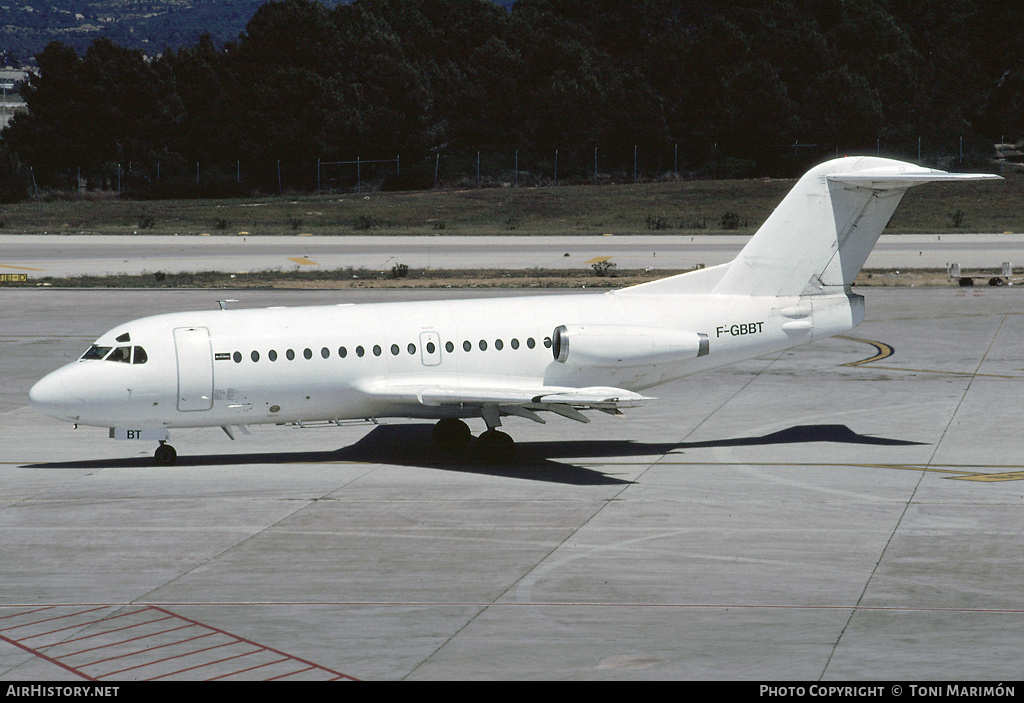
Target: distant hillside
[27, 26]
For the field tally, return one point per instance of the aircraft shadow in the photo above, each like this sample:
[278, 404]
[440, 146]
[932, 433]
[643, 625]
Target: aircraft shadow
[412, 445]
[801, 434]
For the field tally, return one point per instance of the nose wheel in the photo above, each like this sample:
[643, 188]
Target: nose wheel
[165, 454]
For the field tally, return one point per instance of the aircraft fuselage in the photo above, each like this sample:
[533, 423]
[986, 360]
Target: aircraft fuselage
[275, 365]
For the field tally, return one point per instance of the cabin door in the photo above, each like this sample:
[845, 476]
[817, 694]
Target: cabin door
[195, 368]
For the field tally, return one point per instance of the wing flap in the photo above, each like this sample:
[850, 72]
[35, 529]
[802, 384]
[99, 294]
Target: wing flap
[439, 394]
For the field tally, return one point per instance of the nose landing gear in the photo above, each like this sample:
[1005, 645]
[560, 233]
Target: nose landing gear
[165, 454]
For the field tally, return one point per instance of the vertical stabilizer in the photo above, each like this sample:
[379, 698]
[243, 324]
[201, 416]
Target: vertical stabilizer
[823, 231]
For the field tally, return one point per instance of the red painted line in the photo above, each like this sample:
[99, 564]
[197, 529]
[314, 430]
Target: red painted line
[143, 637]
[251, 668]
[291, 673]
[201, 666]
[131, 639]
[42, 656]
[269, 649]
[165, 659]
[159, 646]
[59, 617]
[28, 612]
[105, 632]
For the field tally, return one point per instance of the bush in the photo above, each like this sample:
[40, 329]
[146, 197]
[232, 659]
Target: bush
[730, 220]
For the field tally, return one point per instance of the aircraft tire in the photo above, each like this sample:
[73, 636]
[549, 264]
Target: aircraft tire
[495, 447]
[165, 455]
[451, 433]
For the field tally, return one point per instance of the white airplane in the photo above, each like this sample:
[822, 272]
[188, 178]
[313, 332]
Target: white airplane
[450, 360]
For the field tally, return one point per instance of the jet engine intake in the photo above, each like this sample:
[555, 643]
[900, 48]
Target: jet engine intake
[625, 345]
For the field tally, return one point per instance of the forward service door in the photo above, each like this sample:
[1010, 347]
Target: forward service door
[430, 348]
[195, 368]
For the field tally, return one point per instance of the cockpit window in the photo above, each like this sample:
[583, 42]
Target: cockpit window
[124, 355]
[121, 354]
[96, 352]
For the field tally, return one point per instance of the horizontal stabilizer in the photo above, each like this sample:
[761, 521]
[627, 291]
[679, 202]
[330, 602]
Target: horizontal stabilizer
[892, 179]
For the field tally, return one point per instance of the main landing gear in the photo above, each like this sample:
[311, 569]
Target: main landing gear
[165, 454]
[492, 446]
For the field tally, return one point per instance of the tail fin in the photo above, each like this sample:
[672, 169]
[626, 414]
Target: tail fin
[822, 232]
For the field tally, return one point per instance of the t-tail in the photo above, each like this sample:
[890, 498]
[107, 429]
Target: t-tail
[818, 238]
[820, 235]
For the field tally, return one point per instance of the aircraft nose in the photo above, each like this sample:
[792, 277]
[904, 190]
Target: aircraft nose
[50, 396]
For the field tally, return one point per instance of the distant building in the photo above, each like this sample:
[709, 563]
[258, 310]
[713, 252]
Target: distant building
[11, 101]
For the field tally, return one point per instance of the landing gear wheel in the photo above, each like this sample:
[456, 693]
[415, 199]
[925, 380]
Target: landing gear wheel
[452, 434]
[495, 447]
[165, 455]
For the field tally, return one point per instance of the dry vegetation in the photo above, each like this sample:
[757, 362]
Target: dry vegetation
[667, 207]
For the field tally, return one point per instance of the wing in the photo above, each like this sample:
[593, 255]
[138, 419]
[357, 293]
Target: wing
[524, 402]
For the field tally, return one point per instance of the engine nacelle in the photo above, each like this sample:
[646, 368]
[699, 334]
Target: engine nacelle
[625, 345]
